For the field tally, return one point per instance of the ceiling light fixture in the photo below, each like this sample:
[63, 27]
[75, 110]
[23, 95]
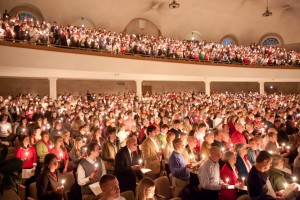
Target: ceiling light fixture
[174, 5]
[267, 13]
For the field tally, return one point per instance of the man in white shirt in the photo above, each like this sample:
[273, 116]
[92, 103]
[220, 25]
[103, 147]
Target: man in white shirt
[110, 188]
[209, 175]
[90, 170]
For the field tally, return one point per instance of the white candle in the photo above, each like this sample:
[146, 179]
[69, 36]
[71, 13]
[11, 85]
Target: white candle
[51, 146]
[271, 152]
[63, 181]
[58, 132]
[283, 144]
[61, 155]
[23, 129]
[285, 185]
[227, 180]
[222, 149]
[294, 178]
[84, 140]
[96, 167]
[85, 149]
[162, 146]
[26, 154]
[243, 178]
[140, 162]
[203, 157]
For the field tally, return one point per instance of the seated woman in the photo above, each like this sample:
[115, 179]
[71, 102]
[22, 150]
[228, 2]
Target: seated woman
[229, 174]
[146, 190]
[61, 153]
[277, 179]
[48, 187]
[43, 147]
[27, 154]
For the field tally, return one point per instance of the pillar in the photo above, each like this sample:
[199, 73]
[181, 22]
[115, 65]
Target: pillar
[138, 87]
[261, 88]
[207, 87]
[53, 89]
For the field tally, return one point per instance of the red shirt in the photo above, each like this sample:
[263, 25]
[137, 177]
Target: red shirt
[61, 156]
[21, 153]
[238, 137]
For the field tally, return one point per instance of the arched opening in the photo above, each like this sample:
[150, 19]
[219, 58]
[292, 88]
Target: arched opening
[193, 36]
[271, 39]
[143, 26]
[229, 40]
[27, 10]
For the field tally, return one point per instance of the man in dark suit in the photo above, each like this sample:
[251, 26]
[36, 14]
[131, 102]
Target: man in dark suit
[124, 167]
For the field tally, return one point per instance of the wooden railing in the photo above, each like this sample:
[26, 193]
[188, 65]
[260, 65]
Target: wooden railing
[95, 52]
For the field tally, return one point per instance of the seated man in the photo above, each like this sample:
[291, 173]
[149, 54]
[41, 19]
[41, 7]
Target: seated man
[209, 175]
[110, 188]
[179, 167]
[257, 178]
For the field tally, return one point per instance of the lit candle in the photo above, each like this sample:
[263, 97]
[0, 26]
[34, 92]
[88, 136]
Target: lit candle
[85, 149]
[26, 154]
[191, 158]
[222, 149]
[51, 146]
[84, 140]
[140, 162]
[203, 157]
[271, 152]
[288, 148]
[61, 156]
[243, 179]
[96, 167]
[285, 185]
[162, 147]
[58, 132]
[63, 182]
[23, 129]
[294, 178]
[227, 180]
[283, 144]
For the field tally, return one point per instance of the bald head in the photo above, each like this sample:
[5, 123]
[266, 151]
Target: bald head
[272, 130]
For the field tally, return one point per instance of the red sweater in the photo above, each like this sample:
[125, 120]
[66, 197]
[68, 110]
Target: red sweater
[227, 172]
[64, 156]
[238, 137]
[21, 153]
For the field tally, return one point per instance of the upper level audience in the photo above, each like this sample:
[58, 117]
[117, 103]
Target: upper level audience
[54, 34]
[78, 135]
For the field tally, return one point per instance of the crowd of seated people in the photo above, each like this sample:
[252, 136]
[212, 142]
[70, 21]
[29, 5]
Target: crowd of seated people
[217, 145]
[47, 33]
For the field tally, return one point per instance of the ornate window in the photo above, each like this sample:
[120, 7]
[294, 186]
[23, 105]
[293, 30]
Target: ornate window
[228, 41]
[26, 14]
[271, 41]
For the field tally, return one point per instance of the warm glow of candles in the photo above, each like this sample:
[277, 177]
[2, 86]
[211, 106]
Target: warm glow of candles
[63, 181]
[26, 154]
[294, 178]
[61, 155]
[203, 157]
[283, 144]
[162, 146]
[285, 185]
[222, 149]
[85, 149]
[288, 147]
[96, 167]
[84, 140]
[271, 152]
[51, 146]
[227, 180]
[140, 161]
[243, 178]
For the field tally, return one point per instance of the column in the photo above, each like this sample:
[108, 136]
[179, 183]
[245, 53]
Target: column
[138, 87]
[261, 88]
[207, 87]
[53, 89]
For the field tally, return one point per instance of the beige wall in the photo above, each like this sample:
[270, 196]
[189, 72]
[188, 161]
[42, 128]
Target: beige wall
[80, 87]
[285, 88]
[14, 86]
[234, 86]
[172, 86]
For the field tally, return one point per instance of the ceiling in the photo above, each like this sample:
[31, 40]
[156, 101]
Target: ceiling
[212, 19]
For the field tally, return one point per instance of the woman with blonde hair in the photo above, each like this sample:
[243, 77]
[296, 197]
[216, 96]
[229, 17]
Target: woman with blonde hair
[62, 154]
[77, 153]
[146, 190]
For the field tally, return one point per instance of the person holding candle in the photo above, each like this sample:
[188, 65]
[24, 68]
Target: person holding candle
[189, 153]
[96, 136]
[87, 172]
[253, 150]
[27, 154]
[277, 177]
[62, 154]
[109, 149]
[229, 172]
[152, 153]
[210, 180]
[48, 186]
[162, 136]
[257, 179]
[6, 133]
[22, 129]
[242, 163]
[238, 136]
[43, 147]
[179, 167]
[125, 165]
[76, 154]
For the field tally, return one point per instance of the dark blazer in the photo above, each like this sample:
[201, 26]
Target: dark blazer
[46, 186]
[240, 165]
[123, 171]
